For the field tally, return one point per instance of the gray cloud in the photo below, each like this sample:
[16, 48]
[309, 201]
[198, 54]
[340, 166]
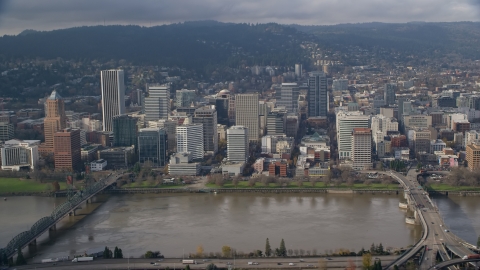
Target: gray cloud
[18, 15]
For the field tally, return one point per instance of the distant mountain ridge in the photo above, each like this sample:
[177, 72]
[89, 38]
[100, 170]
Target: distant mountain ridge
[421, 38]
[188, 45]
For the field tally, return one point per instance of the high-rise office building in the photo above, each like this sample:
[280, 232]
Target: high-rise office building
[157, 104]
[276, 121]
[7, 131]
[67, 150]
[184, 98]
[288, 97]
[473, 156]
[152, 146]
[389, 93]
[124, 130]
[55, 120]
[346, 122]
[208, 117]
[361, 148]
[340, 85]
[247, 115]
[237, 144]
[113, 96]
[317, 95]
[298, 71]
[190, 140]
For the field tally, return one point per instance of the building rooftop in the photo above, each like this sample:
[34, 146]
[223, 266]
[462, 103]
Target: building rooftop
[54, 95]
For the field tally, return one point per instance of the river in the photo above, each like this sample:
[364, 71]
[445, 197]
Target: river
[177, 224]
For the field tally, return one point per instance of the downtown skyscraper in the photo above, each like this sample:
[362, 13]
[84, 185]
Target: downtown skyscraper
[247, 115]
[113, 96]
[157, 104]
[317, 95]
[55, 120]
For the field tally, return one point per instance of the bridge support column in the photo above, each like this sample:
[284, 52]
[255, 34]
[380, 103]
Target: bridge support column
[72, 213]
[33, 243]
[53, 228]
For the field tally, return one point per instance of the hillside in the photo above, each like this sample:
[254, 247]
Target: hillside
[416, 38]
[191, 45]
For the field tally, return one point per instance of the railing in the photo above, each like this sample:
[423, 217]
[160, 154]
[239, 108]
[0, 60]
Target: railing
[24, 238]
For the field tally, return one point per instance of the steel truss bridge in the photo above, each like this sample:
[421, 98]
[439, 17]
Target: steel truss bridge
[44, 224]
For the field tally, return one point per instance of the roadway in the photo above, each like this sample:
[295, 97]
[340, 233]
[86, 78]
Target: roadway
[271, 263]
[435, 231]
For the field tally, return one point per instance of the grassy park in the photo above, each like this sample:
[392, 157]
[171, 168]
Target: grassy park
[9, 185]
[447, 187]
[245, 184]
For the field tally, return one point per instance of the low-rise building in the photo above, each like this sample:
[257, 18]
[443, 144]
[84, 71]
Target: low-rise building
[98, 165]
[17, 155]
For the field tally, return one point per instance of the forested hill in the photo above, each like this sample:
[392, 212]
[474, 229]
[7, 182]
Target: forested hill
[190, 45]
[416, 38]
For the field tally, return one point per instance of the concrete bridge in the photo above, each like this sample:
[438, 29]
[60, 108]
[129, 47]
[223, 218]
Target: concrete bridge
[49, 223]
[436, 237]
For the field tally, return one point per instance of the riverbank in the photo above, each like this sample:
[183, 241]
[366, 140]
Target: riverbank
[26, 187]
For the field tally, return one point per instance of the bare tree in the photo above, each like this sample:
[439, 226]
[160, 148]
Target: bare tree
[314, 252]
[302, 252]
[296, 252]
[313, 180]
[322, 264]
[252, 181]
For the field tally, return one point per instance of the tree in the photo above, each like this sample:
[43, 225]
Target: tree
[20, 259]
[366, 261]
[226, 251]
[478, 242]
[313, 181]
[56, 186]
[268, 249]
[380, 250]
[187, 267]
[200, 250]
[107, 253]
[252, 181]
[120, 253]
[236, 181]
[282, 249]
[211, 267]
[258, 253]
[219, 182]
[379, 264]
[351, 265]
[373, 249]
[322, 264]
[395, 267]
[148, 254]
[115, 252]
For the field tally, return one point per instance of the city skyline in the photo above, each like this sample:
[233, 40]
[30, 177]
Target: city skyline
[17, 16]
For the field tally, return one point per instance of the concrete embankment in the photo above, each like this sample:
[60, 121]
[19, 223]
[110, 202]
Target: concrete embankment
[252, 190]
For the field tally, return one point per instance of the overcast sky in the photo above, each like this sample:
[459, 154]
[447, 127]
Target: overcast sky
[18, 15]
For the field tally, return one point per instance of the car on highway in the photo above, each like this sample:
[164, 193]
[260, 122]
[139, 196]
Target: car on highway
[279, 263]
[291, 264]
[446, 230]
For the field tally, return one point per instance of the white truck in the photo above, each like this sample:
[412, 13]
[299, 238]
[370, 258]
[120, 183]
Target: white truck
[189, 262]
[82, 259]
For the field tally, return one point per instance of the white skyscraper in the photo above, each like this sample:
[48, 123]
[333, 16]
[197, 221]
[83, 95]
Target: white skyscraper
[113, 96]
[380, 125]
[346, 122]
[298, 71]
[247, 114]
[157, 104]
[190, 139]
[237, 144]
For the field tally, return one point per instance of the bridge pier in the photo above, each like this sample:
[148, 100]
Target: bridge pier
[33, 243]
[53, 228]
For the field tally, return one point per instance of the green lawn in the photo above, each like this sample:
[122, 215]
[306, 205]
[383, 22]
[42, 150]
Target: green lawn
[244, 184]
[447, 187]
[146, 184]
[8, 185]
